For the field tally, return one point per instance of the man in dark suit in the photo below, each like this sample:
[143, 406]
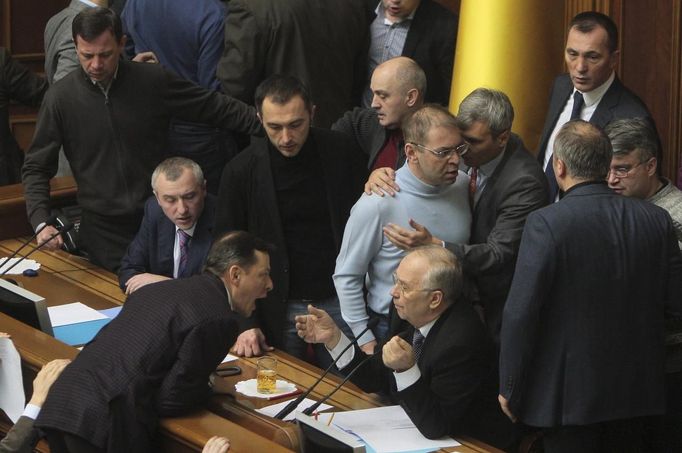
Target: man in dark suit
[294, 189]
[154, 359]
[582, 331]
[176, 229]
[590, 91]
[508, 185]
[422, 30]
[322, 42]
[437, 364]
[398, 88]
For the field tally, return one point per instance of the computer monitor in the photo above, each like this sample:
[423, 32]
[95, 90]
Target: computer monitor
[320, 438]
[24, 306]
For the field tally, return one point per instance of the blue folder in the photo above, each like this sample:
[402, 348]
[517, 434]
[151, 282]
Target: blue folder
[82, 332]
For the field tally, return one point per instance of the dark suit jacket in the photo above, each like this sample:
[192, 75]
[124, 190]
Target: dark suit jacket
[431, 43]
[153, 360]
[618, 102]
[516, 188]
[454, 395]
[582, 331]
[17, 83]
[21, 438]
[323, 42]
[247, 201]
[152, 249]
[363, 126]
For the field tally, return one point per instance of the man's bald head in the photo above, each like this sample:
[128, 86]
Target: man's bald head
[398, 87]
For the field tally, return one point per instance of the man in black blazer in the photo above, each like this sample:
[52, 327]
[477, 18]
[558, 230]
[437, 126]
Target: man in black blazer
[294, 189]
[437, 364]
[322, 42]
[398, 87]
[180, 206]
[590, 91]
[582, 331]
[154, 359]
[509, 186]
[422, 30]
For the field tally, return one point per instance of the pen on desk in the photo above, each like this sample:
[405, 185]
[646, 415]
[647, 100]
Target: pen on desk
[284, 395]
[331, 418]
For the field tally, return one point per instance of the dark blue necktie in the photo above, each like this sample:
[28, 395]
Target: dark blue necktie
[417, 344]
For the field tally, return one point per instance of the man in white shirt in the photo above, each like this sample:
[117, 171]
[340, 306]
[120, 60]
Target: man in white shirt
[590, 90]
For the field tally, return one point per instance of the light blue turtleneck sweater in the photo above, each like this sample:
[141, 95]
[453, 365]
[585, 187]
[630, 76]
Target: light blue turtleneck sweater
[366, 254]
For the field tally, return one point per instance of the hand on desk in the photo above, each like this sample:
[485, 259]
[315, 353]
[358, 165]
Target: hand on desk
[251, 343]
[44, 380]
[138, 281]
[398, 355]
[45, 234]
[318, 327]
[216, 444]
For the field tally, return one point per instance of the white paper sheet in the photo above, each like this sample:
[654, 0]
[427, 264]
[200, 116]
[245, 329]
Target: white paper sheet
[229, 358]
[20, 268]
[12, 397]
[63, 315]
[388, 429]
[273, 409]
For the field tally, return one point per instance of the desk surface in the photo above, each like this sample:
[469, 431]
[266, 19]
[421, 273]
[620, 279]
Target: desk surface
[65, 278]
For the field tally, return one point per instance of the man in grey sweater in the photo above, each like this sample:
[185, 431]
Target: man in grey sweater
[432, 190]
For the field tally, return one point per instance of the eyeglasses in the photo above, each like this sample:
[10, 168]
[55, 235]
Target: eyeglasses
[403, 287]
[623, 172]
[446, 152]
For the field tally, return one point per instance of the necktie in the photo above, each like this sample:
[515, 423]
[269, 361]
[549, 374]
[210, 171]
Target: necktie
[578, 103]
[417, 344]
[183, 242]
[473, 175]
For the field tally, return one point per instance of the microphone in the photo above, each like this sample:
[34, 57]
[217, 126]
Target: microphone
[63, 230]
[372, 323]
[49, 222]
[309, 410]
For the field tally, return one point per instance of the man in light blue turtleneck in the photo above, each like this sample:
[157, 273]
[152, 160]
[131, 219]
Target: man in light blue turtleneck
[432, 190]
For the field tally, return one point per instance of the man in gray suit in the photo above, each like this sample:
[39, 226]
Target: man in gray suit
[590, 91]
[508, 184]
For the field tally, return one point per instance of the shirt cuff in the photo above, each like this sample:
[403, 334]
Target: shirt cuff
[357, 327]
[347, 356]
[406, 378]
[40, 225]
[31, 411]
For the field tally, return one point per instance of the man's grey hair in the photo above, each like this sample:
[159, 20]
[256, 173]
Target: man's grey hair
[416, 127]
[174, 167]
[488, 106]
[234, 248]
[443, 271]
[630, 134]
[585, 150]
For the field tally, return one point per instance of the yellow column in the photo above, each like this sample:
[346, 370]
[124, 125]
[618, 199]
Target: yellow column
[515, 46]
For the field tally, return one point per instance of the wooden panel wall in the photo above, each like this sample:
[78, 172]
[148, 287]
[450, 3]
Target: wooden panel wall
[650, 62]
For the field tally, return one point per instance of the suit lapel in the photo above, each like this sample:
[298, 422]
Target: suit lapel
[166, 245]
[558, 101]
[603, 114]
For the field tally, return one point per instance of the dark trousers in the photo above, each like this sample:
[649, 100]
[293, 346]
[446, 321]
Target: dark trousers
[209, 147]
[616, 436]
[61, 442]
[105, 239]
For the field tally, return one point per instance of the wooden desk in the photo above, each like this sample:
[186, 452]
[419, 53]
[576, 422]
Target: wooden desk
[13, 205]
[65, 278]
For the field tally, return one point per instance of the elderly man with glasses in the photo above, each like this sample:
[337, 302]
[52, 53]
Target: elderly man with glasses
[434, 191]
[438, 363]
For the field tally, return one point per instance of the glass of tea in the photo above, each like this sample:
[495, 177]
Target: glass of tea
[266, 377]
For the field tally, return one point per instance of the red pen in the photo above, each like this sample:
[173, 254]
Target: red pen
[284, 395]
